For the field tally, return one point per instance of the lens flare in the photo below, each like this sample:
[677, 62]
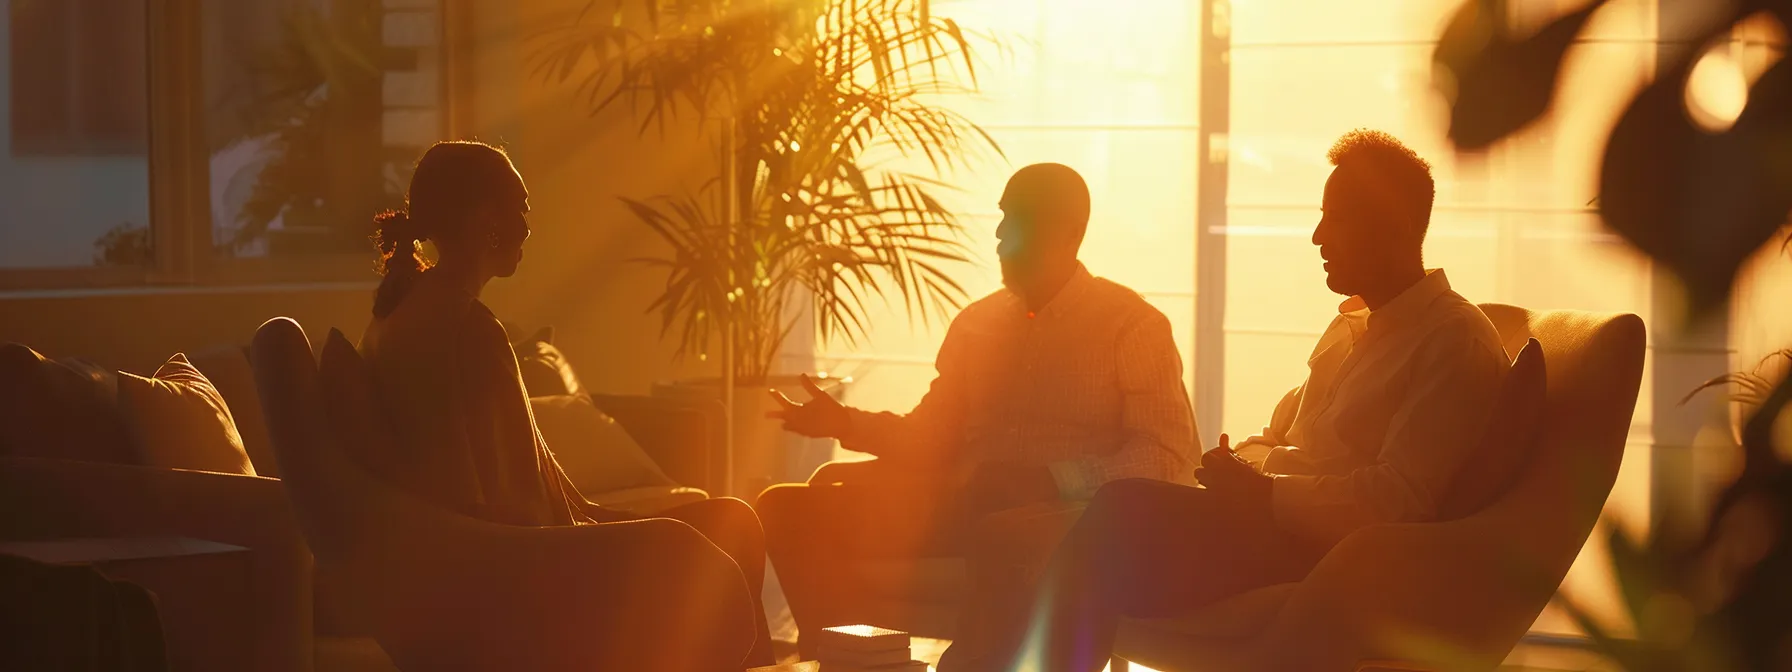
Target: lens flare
[1716, 90]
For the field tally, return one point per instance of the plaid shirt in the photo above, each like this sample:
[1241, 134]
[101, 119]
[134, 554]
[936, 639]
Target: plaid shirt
[1089, 386]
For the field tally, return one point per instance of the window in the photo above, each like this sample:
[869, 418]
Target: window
[274, 136]
[316, 111]
[79, 82]
[74, 169]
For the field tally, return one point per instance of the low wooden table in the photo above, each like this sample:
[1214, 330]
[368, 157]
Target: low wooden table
[201, 589]
[805, 666]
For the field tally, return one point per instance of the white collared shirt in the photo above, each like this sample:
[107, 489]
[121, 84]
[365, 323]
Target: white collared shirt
[1395, 401]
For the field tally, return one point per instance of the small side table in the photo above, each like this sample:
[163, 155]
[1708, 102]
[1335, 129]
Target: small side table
[805, 666]
[201, 590]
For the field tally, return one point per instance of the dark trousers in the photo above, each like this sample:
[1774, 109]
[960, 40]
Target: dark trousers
[1146, 549]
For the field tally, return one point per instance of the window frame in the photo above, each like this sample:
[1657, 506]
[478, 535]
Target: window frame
[180, 213]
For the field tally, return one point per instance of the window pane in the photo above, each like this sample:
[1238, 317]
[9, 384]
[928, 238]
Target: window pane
[74, 174]
[1080, 62]
[317, 108]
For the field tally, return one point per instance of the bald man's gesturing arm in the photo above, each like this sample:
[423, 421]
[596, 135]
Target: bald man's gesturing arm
[928, 432]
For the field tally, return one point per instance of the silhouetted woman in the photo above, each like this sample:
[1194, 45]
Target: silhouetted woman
[450, 382]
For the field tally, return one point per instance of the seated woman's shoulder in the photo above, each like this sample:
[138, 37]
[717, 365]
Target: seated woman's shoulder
[480, 320]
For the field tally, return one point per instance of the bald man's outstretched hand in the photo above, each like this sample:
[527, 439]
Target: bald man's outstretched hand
[821, 418]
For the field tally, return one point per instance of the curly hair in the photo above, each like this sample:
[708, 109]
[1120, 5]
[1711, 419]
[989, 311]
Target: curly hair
[1399, 180]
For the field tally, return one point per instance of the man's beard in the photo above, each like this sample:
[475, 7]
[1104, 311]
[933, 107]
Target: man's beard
[1013, 273]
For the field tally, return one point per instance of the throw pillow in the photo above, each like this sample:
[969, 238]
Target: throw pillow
[596, 453]
[65, 409]
[178, 420]
[227, 367]
[546, 372]
[1511, 438]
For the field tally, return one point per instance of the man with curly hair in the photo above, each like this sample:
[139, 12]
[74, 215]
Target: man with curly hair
[1400, 389]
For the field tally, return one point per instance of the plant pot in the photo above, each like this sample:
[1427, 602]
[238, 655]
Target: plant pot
[764, 454]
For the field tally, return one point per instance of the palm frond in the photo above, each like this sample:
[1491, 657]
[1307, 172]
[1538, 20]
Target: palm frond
[813, 89]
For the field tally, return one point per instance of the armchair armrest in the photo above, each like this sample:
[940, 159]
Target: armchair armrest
[49, 498]
[650, 500]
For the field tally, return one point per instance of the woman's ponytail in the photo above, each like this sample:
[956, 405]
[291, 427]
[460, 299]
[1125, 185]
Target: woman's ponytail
[400, 240]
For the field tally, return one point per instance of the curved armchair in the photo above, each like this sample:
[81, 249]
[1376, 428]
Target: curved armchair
[444, 591]
[1452, 595]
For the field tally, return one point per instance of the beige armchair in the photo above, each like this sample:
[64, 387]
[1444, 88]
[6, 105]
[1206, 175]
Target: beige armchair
[1454, 595]
[443, 591]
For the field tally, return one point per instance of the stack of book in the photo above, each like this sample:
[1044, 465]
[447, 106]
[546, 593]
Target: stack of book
[866, 648]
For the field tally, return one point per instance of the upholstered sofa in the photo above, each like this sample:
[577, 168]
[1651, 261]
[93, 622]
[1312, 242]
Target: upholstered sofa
[296, 628]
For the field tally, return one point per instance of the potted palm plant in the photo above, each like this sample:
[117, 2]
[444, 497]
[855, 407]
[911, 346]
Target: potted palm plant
[812, 217]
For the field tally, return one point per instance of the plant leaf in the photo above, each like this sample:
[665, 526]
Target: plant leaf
[1497, 84]
[1698, 202]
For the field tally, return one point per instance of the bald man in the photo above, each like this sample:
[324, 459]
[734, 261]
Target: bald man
[1047, 389]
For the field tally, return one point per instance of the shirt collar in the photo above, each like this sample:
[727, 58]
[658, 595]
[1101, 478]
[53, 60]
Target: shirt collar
[1405, 307]
[1074, 289]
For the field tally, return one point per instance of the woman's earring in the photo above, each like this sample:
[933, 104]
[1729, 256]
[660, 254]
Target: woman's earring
[492, 239]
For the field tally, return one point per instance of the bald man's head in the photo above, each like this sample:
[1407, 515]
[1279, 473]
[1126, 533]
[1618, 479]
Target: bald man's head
[1045, 212]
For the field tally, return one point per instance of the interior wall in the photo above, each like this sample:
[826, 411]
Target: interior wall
[577, 273]
[575, 276]
[136, 330]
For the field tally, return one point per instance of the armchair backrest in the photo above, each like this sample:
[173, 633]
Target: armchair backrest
[389, 554]
[1595, 364]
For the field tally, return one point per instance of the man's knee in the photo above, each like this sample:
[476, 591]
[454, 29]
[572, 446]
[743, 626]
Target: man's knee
[779, 500]
[847, 471]
[1118, 537]
[783, 507]
[732, 514]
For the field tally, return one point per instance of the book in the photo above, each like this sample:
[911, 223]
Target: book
[863, 638]
[830, 655]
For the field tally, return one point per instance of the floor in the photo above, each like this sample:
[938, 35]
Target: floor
[1527, 657]
[784, 630]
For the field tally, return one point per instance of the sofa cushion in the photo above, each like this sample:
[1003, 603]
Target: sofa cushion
[178, 420]
[597, 454]
[65, 409]
[546, 372]
[227, 367]
[1509, 442]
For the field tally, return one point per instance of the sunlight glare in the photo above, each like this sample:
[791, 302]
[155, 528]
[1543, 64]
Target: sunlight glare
[1716, 91]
